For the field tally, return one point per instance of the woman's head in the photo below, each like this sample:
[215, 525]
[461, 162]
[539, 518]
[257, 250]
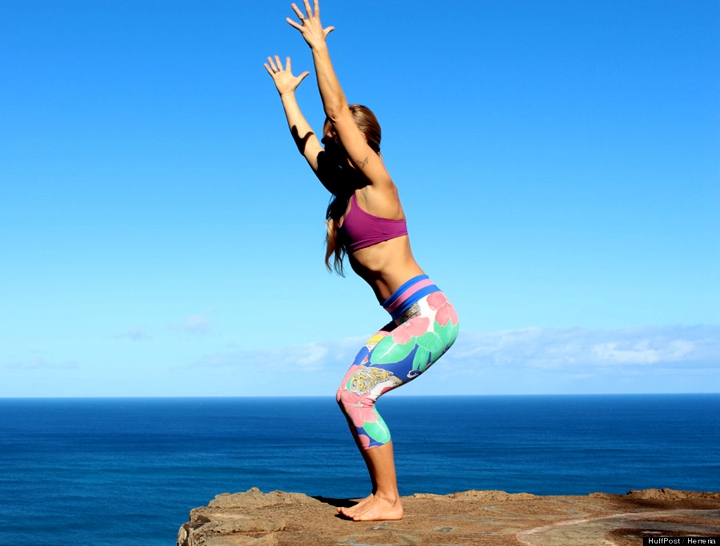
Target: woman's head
[368, 125]
[366, 122]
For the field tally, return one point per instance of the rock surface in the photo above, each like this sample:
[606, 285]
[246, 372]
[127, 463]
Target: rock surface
[468, 518]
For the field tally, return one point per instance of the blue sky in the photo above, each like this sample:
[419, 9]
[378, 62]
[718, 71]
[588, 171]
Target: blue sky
[558, 161]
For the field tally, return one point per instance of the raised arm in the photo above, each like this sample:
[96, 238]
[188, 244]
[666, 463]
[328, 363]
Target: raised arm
[286, 84]
[333, 98]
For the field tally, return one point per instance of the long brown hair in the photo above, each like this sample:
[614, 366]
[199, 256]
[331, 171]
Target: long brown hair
[369, 126]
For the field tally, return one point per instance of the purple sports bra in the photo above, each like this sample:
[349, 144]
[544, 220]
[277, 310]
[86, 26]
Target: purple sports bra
[361, 229]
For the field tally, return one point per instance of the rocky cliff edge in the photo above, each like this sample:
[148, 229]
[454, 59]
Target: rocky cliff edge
[459, 519]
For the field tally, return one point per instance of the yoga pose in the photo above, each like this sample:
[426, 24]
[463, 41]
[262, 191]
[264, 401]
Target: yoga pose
[366, 222]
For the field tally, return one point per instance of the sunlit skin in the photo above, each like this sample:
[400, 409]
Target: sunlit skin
[384, 266]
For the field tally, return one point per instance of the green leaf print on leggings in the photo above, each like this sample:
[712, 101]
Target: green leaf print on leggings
[378, 431]
[389, 352]
[431, 345]
[448, 333]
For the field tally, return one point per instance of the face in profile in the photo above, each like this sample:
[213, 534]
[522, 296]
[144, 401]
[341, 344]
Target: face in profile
[333, 147]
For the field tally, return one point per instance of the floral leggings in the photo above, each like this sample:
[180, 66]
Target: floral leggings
[423, 328]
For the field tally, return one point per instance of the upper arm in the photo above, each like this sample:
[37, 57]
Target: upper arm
[310, 147]
[329, 173]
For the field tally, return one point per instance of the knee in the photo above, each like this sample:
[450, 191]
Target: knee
[343, 392]
[351, 403]
[346, 399]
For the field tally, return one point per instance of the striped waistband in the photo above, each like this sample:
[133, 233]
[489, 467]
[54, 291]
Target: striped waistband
[409, 293]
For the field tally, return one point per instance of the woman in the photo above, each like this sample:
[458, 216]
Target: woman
[365, 221]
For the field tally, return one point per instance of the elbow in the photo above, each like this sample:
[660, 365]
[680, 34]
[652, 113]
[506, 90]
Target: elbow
[337, 110]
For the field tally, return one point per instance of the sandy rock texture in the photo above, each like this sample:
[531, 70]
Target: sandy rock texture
[460, 519]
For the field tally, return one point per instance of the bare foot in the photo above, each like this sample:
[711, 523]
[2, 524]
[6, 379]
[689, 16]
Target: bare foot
[379, 509]
[352, 510]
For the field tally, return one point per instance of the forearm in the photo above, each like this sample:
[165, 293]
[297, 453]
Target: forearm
[333, 98]
[297, 123]
[300, 129]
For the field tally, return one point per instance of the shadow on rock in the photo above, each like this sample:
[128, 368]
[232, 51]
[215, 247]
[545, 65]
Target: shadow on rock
[337, 503]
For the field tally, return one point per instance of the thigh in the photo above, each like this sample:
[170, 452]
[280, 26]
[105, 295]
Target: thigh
[419, 341]
[398, 353]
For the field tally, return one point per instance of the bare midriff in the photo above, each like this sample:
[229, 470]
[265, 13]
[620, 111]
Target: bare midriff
[386, 266]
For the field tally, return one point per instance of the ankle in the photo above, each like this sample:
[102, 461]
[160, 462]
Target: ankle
[388, 496]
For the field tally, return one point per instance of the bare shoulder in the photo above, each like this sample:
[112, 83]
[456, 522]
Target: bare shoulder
[382, 200]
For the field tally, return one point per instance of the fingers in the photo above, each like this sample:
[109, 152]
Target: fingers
[300, 16]
[309, 25]
[307, 8]
[297, 11]
[274, 66]
[270, 67]
[293, 24]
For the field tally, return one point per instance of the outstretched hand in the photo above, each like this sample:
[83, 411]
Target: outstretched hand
[283, 78]
[309, 25]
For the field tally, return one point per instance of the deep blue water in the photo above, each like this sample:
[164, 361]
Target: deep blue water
[88, 470]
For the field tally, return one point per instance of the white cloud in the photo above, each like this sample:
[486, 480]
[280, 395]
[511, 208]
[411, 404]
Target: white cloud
[136, 334]
[196, 324]
[574, 350]
[522, 361]
[309, 357]
[577, 349]
[642, 352]
[39, 363]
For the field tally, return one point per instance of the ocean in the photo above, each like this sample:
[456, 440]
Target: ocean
[123, 472]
